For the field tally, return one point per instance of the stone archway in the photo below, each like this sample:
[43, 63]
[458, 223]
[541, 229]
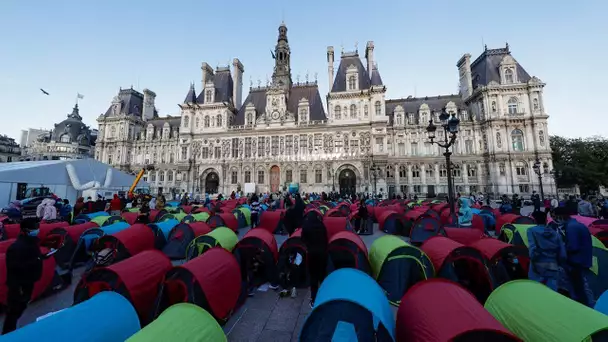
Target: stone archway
[210, 180]
[348, 182]
[275, 178]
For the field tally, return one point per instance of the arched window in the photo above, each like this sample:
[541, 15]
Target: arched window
[498, 140]
[541, 138]
[352, 83]
[402, 171]
[535, 104]
[112, 132]
[208, 96]
[389, 172]
[186, 121]
[512, 105]
[65, 138]
[545, 168]
[197, 122]
[415, 171]
[249, 119]
[378, 108]
[443, 171]
[206, 121]
[398, 120]
[521, 169]
[517, 136]
[365, 111]
[219, 121]
[471, 170]
[430, 173]
[337, 113]
[493, 106]
[509, 76]
[353, 111]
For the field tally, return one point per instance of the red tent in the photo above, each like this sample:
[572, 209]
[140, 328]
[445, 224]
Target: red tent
[12, 230]
[45, 228]
[263, 236]
[440, 310]
[335, 212]
[127, 242]
[76, 231]
[272, 221]
[211, 281]
[40, 287]
[258, 242]
[460, 263]
[224, 220]
[503, 219]
[130, 217]
[335, 224]
[500, 256]
[346, 249]
[136, 278]
[465, 236]
[187, 208]
[65, 238]
[392, 222]
[4, 245]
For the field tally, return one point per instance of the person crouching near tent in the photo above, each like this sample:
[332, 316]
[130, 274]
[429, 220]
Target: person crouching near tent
[465, 214]
[23, 269]
[290, 277]
[579, 249]
[314, 236]
[254, 272]
[547, 252]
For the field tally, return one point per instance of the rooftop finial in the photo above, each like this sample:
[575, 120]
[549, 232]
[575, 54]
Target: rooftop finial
[316, 74]
[507, 46]
[259, 83]
[306, 76]
[357, 47]
[298, 78]
[485, 47]
[250, 82]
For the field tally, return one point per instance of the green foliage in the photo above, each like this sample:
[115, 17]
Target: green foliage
[582, 162]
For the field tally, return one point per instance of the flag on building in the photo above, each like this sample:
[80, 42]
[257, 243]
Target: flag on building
[80, 96]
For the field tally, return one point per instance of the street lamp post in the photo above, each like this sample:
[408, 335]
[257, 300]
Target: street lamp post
[450, 130]
[538, 171]
[333, 180]
[375, 171]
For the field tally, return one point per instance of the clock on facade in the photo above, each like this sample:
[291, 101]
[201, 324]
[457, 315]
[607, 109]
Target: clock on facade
[275, 115]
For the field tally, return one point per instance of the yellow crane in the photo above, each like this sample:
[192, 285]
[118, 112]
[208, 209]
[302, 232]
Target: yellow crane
[138, 178]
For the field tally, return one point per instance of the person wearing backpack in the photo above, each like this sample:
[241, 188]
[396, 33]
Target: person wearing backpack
[547, 252]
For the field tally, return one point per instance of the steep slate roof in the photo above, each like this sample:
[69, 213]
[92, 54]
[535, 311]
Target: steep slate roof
[74, 127]
[191, 96]
[348, 59]
[222, 82]
[132, 102]
[310, 91]
[412, 104]
[174, 121]
[486, 67]
[376, 79]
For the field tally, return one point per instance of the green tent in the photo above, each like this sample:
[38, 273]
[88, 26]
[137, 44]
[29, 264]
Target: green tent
[397, 266]
[219, 237]
[183, 322]
[201, 217]
[534, 312]
[516, 234]
[100, 220]
[133, 210]
[247, 213]
[323, 209]
[180, 215]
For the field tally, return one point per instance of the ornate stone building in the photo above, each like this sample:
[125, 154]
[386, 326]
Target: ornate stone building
[282, 133]
[69, 139]
[9, 149]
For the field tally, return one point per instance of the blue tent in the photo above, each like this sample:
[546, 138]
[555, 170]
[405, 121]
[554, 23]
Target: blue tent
[99, 213]
[161, 231]
[115, 227]
[602, 303]
[172, 204]
[107, 316]
[350, 306]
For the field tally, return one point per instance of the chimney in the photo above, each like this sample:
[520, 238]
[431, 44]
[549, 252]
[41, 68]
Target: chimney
[369, 55]
[330, 66]
[148, 111]
[207, 74]
[237, 82]
[466, 80]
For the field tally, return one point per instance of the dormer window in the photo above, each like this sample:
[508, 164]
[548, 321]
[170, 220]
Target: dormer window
[303, 110]
[219, 121]
[249, 119]
[352, 78]
[399, 116]
[186, 121]
[206, 121]
[208, 96]
[65, 139]
[303, 115]
[508, 76]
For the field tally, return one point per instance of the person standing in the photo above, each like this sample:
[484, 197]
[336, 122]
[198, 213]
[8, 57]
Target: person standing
[547, 252]
[585, 208]
[115, 206]
[315, 238]
[23, 269]
[535, 200]
[580, 256]
[255, 209]
[361, 220]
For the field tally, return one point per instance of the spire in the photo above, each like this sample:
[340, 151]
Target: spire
[282, 32]
[75, 113]
[191, 97]
[281, 76]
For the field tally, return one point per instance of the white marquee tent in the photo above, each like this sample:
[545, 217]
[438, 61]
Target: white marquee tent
[65, 178]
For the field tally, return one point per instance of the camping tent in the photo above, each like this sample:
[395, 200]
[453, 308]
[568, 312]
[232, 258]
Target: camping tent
[219, 237]
[243, 215]
[126, 243]
[181, 236]
[136, 278]
[425, 227]
[534, 312]
[258, 240]
[460, 263]
[513, 219]
[161, 232]
[391, 222]
[334, 225]
[182, 322]
[272, 221]
[601, 304]
[223, 220]
[440, 310]
[66, 237]
[113, 316]
[87, 174]
[211, 281]
[350, 306]
[346, 249]
[397, 266]
[294, 244]
[507, 262]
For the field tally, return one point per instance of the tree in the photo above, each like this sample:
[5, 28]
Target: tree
[582, 162]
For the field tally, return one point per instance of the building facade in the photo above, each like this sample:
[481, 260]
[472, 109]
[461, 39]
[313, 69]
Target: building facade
[69, 139]
[281, 132]
[9, 149]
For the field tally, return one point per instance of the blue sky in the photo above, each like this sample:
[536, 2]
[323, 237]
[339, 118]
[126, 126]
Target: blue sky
[95, 47]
